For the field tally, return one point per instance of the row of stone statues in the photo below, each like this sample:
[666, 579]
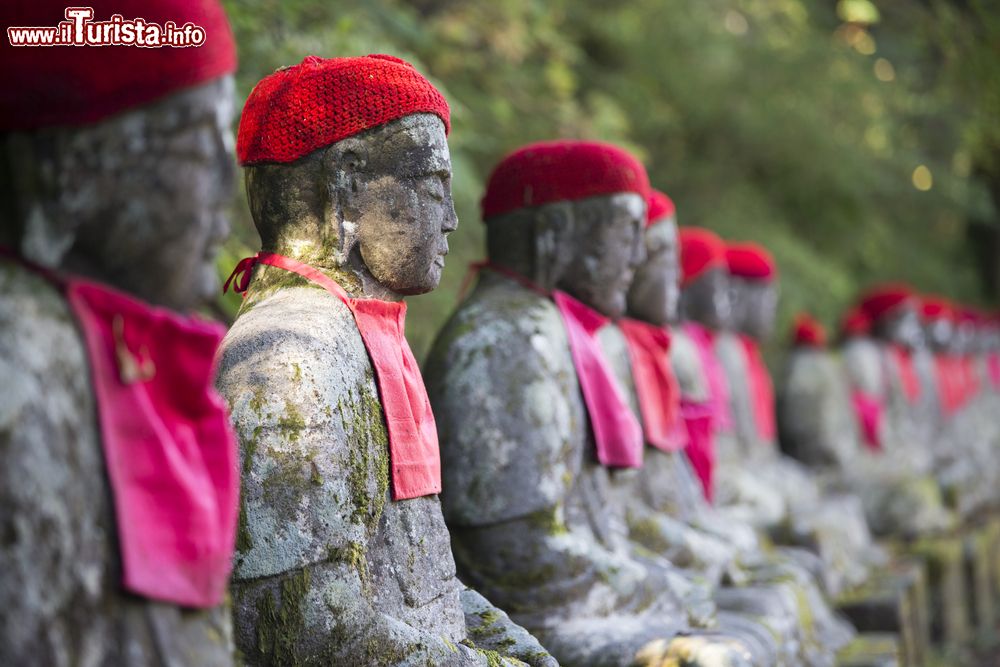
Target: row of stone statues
[587, 472]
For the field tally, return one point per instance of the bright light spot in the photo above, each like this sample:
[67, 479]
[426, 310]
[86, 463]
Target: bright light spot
[922, 178]
[876, 139]
[864, 43]
[884, 71]
[736, 23]
[857, 11]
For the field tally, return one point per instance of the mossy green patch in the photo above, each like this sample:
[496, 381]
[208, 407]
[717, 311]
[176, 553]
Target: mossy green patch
[646, 531]
[291, 423]
[549, 520]
[280, 624]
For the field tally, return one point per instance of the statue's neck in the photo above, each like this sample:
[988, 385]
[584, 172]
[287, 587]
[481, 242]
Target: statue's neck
[349, 272]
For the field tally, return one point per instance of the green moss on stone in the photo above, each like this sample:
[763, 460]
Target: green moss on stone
[244, 540]
[548, 520]
[291, 423]
[646, 531]
[280, 624]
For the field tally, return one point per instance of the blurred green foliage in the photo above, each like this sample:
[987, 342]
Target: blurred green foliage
[797, 123]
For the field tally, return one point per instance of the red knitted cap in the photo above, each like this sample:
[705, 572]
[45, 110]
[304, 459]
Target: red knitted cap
[883, 299]
[936, 308]
[701, 250]
[77, 85]
[660, 206]
[807, 332]
[855, 323]
[751, 260]
[563, 170]
[320, 101]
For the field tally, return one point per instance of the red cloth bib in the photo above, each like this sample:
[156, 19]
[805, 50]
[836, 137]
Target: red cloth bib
[655, 384]
[700, 447]
[761, 390]
[169, 451]
[414, 456]
[718, 386]
[949, 391]
[868, 411]
[902, 361]
[617, 433]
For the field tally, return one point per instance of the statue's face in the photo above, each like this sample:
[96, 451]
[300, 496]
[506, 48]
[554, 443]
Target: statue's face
[706, 299]
[151, 188]
[759, 308]
[401, 205]
[655, 291]
[902, 326]
[938, 332]
[606, 243]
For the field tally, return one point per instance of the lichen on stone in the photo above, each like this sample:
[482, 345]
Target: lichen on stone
[280, 624]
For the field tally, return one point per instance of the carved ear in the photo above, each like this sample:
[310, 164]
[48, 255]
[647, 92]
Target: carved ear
[342, 164]
[553, 231]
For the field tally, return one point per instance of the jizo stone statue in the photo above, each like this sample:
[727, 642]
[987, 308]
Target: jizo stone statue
[116, 200]
[831, 524]
[660, 494]
[535, 523]
[343, 554]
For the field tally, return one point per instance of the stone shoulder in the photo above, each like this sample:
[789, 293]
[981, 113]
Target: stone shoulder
[507, 404]
[313, 445]
[687, 366]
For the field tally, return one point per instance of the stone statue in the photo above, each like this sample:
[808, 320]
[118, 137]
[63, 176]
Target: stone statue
[665, 508]
[119, 196]
[830, 523]
[535, 523]
[343, 555]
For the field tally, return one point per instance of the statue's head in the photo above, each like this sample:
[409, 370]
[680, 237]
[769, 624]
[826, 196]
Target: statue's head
[854, 323]
[347, 168]
[705, 296]
[570, 215]
[808, 333]
[937, 317]
[753, 289]
[893, 313]
[117, 161]
[655, 292]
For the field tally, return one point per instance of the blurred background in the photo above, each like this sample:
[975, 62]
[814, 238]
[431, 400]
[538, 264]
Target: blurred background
[859, 140]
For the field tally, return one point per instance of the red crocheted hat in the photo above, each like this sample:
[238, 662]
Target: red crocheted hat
[751, 261]
[77, 85]
[936, 308]
[807, 332]
[660, 206]
[701, 250]
[855, 323]
[883, 299]
[320, 101]
[563, 170]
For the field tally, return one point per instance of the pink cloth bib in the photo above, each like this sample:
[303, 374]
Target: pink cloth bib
[617, 433]
[655, 384]
[903, 365]
[868, 412]
[414, 457]
[700, 447]
[169, 451]
[718, 386]
[761, 390]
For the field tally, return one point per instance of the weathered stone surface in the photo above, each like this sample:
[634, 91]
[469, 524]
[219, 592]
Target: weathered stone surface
[79, 200]
[535, 523]
[60, 583]
[330, 569]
